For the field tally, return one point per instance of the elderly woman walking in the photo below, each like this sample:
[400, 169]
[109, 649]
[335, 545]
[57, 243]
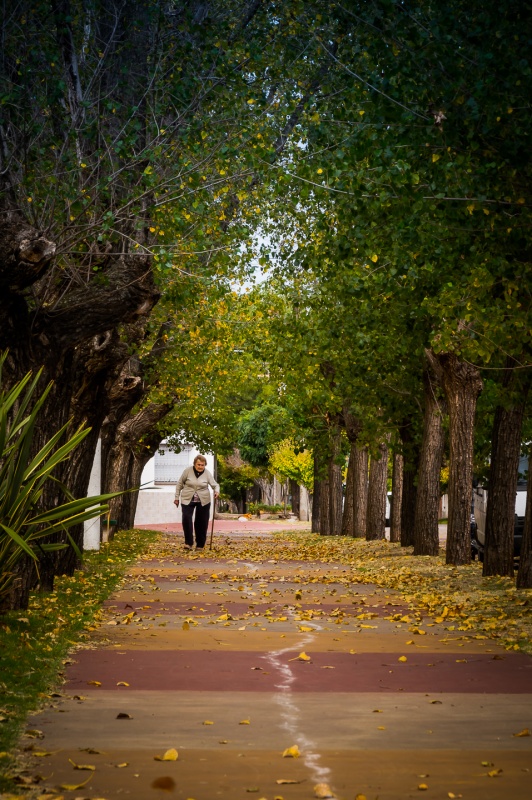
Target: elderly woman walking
[193, 490]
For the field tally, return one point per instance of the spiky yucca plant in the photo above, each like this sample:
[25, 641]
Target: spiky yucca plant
[24, 525]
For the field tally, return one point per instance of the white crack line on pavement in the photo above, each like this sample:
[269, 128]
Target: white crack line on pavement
[290, 712]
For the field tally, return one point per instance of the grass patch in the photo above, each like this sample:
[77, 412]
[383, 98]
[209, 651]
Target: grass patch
[35, 643]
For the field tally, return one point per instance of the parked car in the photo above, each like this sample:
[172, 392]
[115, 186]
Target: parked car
[480, 502]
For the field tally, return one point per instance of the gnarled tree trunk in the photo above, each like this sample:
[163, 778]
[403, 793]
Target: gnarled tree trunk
[348, 516]
[426, 538]
[378, 476]
[317, 493]
[462, 384]
[360, 504]
[504, 466]
[397, 494]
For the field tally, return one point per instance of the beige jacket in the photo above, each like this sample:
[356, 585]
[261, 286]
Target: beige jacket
[188, 484]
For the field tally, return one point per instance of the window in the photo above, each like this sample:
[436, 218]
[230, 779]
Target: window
[170, 465]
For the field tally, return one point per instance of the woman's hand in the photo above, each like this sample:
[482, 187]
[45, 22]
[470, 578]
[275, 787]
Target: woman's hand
[176, 503]
[216, 495]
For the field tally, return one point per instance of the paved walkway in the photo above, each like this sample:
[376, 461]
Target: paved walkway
[233, 662]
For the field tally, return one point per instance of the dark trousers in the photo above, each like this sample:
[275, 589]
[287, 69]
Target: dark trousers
[201, 523]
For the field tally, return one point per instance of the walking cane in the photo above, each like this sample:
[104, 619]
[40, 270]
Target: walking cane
[212, 526]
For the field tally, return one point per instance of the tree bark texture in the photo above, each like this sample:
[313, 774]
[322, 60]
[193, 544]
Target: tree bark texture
[348, 516]
[335, 485]
[360, 503]
[397, 493]
[426, 538]
[378, 476]
[325, 508]
[410, 468]
[295, 493]
[462, 384]
[316, 494]
[502, 485]
[524, 574]
[135, 442]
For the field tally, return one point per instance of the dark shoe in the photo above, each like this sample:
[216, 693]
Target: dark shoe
[200, 548]
[188, 547]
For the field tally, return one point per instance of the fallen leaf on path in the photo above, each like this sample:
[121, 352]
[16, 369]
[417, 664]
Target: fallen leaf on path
[360, 797]
[305, 629]
[170, 755]
[524, 732]
[165, 783]
[494, 773]
[73, 787]
[452, 795]
[301, 657]
[208, 722]
[123, 715]
[323, 791]
[244, 722]
[283, 781]
[94, 683]
[82, 766]
[185, 626]
[422, 787]
[122, 683]
[402, 658]
[291, 752]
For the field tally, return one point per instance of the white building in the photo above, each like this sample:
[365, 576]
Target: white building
[156, 498]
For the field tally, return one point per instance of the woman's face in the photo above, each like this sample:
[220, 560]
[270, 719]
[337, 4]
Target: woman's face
[200, 465]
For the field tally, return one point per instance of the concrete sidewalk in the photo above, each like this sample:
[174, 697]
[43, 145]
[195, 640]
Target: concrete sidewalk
[231, 662]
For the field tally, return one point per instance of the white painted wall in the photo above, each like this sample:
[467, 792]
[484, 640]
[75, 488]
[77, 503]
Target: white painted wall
[91, 528]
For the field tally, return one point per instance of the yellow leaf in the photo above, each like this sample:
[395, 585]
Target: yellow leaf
[208, 722]
[301, 657]
[494, 773]
[305, 628]
[122, 683]
[170, 755]
[402, 658]
[452, 795]
[360, 797]
[291, 752]
[82, 766]
[94, 683]
[367, 626]
[73, 787]
[244, 722]
[323, 791]
[285, 781]
[122, 765]
[185, 626]
[374, 258]
[435, 157]
[214, 576]
[524, 732]
[250, 101]
[352, 652]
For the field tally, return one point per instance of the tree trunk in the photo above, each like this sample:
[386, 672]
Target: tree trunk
[410, 468]
[378, 476]
[426, 538]
[462, 384]
[360, 504]
[325, 508]
[502, 486]
[295, 493]
[524, 574]
[129, 447]
[397, 493]
[317, 493]
[348, 516]
[335, 485]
